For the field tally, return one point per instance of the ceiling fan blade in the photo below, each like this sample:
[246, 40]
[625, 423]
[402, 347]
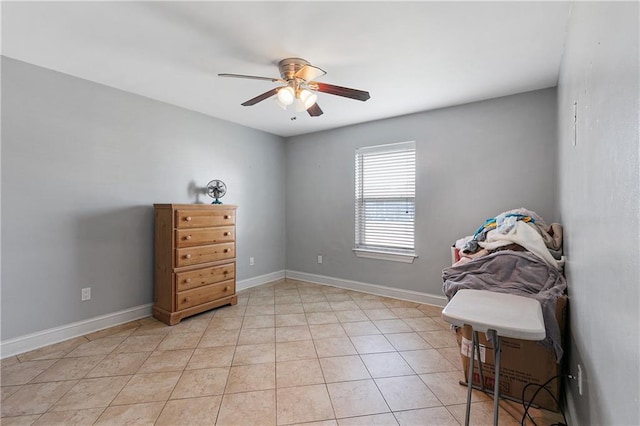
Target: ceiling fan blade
[309, 73]
[314, 110]
[253, 77]
[262, 97]
[346, 92]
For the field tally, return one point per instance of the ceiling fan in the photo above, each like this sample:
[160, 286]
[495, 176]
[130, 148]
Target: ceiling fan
[298, 79]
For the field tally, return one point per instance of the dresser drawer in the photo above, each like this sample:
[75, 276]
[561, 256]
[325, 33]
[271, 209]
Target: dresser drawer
[200, 295]
[204, 218]
[202, 236]
[204, 276]
[203, 254]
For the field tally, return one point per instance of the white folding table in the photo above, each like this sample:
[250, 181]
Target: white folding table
[498, 315]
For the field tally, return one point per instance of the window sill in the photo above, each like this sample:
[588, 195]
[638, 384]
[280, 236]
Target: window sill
[384, 255]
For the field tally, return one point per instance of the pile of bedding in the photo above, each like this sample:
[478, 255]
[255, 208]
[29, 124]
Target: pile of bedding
[516, 252]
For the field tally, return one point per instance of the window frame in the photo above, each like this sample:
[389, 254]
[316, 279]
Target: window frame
[381, 252]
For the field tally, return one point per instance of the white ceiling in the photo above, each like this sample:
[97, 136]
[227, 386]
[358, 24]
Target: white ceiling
[411, 56]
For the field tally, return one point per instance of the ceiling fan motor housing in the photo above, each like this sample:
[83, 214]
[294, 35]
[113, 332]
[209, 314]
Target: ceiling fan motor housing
[290, 66]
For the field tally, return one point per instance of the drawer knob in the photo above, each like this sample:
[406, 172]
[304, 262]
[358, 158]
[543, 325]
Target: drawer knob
[188, 218]
[226, 234]
[188, 237]
[227, 288]
[226, 250]
[226, 216]
[225, 272]
[186, 300]
[188, 256]
[188, 280]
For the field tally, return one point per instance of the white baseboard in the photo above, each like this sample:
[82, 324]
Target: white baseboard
[396, 293]
[39, 339]
[259, 280]
[50, 336]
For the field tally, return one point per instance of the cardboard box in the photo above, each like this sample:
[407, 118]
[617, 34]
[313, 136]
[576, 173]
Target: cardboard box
[521, 362]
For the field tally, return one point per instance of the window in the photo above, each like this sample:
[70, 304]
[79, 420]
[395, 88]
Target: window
[385, 201]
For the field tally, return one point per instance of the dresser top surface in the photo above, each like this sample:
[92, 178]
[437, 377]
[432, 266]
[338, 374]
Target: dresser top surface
[195, 206]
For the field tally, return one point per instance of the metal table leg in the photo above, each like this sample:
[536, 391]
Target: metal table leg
[474, 340]
[496, 390]
[480, 365]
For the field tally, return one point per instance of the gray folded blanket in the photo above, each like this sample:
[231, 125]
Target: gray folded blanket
[514, 272]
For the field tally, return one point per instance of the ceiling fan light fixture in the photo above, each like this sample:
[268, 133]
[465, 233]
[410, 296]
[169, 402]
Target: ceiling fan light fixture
[308, 98]
[299, 105]
[286, 96]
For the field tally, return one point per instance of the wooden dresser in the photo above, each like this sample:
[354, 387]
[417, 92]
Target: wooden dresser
[195, 261]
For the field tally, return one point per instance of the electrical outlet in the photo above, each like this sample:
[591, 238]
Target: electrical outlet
[251, 261]
[86, 294]
[319, 258]
[579, 379]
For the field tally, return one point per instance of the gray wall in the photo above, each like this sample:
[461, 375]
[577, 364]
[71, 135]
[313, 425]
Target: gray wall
[474, 161]
[82, 165]
[599, 196]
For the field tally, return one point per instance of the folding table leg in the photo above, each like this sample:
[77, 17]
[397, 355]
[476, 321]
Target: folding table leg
[496, 390]
[474, 340]
[480, 365]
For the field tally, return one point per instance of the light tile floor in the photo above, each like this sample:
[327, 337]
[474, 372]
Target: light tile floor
[289, 352]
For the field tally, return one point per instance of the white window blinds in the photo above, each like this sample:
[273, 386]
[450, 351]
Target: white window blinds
[385, 198]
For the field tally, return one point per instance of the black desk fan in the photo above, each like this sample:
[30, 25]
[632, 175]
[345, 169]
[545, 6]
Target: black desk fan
[216, 190]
